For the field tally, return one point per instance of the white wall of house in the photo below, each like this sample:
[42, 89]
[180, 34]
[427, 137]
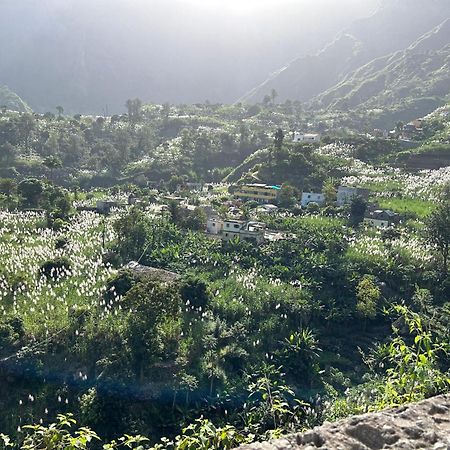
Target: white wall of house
[308, 137]
[227, 235]
[312, 197]
[214, 225]
[232, 225]
[230, 229]
[345, 194]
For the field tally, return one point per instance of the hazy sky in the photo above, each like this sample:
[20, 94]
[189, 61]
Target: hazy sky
[161, 50]
[244, 6]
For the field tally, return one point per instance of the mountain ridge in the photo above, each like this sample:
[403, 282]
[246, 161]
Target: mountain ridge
[420, 71]
[376, 36]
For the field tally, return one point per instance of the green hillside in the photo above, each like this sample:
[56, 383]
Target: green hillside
[12, 101]
[409, 83]
[362, 43]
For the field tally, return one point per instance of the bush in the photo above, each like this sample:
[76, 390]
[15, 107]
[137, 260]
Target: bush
[120, 284]
[195, 291]
[111, 258]
[61, 242]
[56, 224]
[11, 330]
[313, 207]
[54, 269]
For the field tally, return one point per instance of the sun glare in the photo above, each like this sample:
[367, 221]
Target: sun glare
[239, 5]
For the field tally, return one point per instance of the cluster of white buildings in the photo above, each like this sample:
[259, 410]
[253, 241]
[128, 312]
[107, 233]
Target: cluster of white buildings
[344, 196]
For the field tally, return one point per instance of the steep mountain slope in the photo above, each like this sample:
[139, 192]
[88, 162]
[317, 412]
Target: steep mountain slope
[392, 28]
[415, 80]
[11, 100]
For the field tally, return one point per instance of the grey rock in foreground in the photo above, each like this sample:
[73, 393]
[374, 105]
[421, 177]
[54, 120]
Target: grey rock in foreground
[423, 425]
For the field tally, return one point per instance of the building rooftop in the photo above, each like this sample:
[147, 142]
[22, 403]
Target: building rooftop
[152, 272]
[262, 186]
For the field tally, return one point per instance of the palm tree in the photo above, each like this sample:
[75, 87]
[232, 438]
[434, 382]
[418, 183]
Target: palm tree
[301, 351]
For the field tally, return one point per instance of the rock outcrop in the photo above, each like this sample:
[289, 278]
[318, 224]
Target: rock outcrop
[424, 425]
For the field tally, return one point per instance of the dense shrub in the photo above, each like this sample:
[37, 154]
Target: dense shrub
[55, 268]
[61, 243]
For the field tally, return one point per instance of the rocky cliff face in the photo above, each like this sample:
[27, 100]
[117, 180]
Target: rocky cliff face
[424, 425]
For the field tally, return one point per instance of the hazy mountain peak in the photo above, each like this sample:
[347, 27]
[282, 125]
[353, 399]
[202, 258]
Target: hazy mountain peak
[393, 27]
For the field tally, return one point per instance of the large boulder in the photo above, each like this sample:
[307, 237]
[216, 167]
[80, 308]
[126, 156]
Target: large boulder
[424, 425]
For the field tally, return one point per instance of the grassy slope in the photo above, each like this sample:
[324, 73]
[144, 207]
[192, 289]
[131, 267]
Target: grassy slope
[12, 101]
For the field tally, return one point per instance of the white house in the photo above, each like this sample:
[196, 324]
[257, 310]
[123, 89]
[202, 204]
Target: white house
[194, 187]
[312, 197]
[345, 194]
[381, 219]
[229, 229]
[308, 137]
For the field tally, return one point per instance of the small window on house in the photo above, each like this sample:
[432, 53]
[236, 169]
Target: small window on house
[236, 226]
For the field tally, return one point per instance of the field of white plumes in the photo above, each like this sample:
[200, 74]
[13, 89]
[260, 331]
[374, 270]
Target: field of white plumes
[25, 245]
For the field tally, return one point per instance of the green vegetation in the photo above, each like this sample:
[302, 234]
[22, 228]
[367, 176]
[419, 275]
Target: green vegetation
[10, 100]
[118, 311]
[407, 206]
[149, 301]
[397, 86]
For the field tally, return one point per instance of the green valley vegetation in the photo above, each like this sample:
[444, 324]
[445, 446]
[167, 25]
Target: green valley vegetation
[11, 101]
[198, 276]
[126, 311]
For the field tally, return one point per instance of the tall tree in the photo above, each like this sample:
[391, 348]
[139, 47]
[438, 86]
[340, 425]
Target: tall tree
[288, 196]
[438, 228]
[7, 187]
[279, 139]
[273, 96]
[278, 144]
[26, 126]
[52, 163]
[358, 208]
[329, 191]
[134, 108]
[30, 190]
[367, 294]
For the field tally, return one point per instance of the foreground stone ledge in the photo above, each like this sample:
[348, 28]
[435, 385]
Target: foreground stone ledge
[423, 425]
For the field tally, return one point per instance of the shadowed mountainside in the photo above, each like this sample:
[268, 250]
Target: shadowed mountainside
[391, 29]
